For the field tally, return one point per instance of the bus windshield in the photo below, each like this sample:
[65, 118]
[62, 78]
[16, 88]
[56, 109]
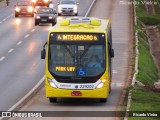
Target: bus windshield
[77, 60]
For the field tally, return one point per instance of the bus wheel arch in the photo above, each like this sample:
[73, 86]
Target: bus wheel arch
[103, 100]
[53, 100]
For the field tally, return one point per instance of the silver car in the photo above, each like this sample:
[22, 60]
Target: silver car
[68, 7]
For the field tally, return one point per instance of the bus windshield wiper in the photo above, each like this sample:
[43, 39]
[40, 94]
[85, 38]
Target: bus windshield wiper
[68, 50]
[85, 51]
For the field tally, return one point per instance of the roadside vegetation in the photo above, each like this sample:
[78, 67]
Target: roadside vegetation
[144, 98]
[146, 18]
[148, 73]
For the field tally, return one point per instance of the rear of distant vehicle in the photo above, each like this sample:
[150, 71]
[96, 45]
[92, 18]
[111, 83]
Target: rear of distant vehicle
[68, 7]
[41, 2]
[46, 15]
[24, 8]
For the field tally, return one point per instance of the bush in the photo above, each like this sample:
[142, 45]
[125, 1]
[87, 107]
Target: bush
[149, 19]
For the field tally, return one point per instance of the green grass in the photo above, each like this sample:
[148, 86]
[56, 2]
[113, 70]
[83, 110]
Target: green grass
[157, 6]
[144, 100]
[140, 8]
[146, 18]
[148, 72]
[141, 99]
[149, 19]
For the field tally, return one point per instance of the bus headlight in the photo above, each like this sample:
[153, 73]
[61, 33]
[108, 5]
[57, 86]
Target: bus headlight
[101, 84]
[51, 83]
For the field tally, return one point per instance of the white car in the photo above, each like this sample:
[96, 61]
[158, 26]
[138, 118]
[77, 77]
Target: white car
[68, 7]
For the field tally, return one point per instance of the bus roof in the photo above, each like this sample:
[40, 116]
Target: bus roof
[81, 24]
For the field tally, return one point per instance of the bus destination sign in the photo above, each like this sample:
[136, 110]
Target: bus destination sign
[76, 37]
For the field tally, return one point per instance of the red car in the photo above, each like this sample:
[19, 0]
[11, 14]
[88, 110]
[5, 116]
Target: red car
[41, 3]
[24, 8]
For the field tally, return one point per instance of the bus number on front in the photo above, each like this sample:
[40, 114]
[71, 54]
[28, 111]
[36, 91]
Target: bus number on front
[86, 86]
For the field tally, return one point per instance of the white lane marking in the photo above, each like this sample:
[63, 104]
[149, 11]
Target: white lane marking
[2, 58]
[8, 17]
[26, 36]
[10, 50]
[33, 30]
[90, 7]
[114, 71]
[3, 20]
[117, 84]
[19, 42]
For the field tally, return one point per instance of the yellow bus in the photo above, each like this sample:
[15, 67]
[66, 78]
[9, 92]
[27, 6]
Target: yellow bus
[78, 56]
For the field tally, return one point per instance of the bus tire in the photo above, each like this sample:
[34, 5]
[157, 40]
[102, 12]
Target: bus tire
[53, 100]
[103, 100]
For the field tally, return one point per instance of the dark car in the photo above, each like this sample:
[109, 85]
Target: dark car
[24, 8]
[41, 2]
[46, 15]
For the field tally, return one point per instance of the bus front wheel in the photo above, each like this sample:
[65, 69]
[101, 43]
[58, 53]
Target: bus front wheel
[53, 100]
[103, 100]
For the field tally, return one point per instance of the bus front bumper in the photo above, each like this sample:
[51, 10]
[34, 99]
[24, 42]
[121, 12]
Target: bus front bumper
[65, 93]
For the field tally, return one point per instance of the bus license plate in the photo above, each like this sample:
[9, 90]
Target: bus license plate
[76, 93]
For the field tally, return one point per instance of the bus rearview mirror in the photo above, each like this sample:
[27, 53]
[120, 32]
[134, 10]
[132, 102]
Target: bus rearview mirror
[112, 53]
[43, 54]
